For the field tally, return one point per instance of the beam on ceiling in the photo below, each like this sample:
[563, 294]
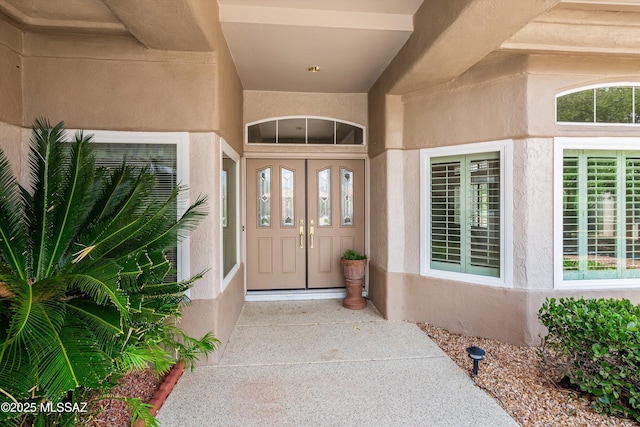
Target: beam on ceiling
[451, 36]
[180, 25]
[315, 18]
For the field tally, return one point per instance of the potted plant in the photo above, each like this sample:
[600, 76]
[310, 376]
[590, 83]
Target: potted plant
[354, 266]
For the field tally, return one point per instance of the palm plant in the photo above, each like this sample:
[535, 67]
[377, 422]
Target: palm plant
[82, 269]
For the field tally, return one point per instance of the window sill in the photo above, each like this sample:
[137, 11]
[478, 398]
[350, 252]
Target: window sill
[474, 279]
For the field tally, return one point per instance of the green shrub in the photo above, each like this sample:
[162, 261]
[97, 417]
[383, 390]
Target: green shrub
[350, 254]
[595, 343]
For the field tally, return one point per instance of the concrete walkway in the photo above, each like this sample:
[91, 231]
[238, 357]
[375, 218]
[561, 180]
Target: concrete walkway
[315, 363]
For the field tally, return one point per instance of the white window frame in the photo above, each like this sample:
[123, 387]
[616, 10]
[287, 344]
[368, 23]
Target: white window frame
[505, 149]
[181, 141]
[225, 148]
[582, 143]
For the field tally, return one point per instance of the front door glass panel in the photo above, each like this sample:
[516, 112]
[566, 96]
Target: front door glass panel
[264, 197]
[346, 196]
[324, 198]
[287, 197]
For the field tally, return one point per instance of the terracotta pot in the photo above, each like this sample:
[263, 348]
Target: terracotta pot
[354, 268]
[354, 271]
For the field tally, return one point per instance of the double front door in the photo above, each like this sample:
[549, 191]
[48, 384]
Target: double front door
[301, 216]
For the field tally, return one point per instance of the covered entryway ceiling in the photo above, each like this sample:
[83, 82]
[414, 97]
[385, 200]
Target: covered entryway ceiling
[414, 45]
[274, 42]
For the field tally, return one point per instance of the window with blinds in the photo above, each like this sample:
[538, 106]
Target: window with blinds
[161, 160]
[600, 214]
[465, 214]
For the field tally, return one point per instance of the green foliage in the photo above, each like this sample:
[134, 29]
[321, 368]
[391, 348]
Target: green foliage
[613, 104]
[353, 255]
[595, 343]
[574, 264]
[82, 264]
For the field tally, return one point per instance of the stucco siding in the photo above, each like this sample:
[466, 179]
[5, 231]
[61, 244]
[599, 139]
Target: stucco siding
[259, 105]
[481, 106]
[11, 71]
[379, 218]
[114, 84]
[533, 214]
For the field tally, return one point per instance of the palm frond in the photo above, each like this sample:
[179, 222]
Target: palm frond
[142, 355]
[188, 349]
[155, 268]
[74, 205]
[178, 230]
[117, 193]
[101, 283]
[72, 360]
[13, 240]
[32, 335]
[104, 322]
[21, 309]
[139, 411]
[170, 288]
[129, 275]
[117, 212]
[47, 165]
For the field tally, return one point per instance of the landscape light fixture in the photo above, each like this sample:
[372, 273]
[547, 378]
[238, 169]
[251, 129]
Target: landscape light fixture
[476, 354]
[314, 69]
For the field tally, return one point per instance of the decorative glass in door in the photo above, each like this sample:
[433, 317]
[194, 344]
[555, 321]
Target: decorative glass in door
[287, 197]
[324, 198]
[264, 197]
[346, 196]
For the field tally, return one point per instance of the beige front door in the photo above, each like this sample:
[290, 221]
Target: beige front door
[301, 216]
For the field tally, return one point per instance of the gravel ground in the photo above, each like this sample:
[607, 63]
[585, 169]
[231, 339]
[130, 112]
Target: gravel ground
[115, 413]
[510, 374]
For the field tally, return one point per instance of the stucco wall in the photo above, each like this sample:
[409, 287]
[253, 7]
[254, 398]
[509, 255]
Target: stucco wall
[12, 147]
[484, 104]
[379, 215]
[204, 179]
[533, 213]
[114, 83]
[260, 105]
[11, 72]
[228, 96]
[216, 315]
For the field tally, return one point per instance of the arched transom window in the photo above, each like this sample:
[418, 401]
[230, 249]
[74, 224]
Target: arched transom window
[305, 130]
[617, 103]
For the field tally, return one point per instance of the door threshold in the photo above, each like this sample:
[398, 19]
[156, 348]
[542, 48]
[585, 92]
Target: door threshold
[294, 295]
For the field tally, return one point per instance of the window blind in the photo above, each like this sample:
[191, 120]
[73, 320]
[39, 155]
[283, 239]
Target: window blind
[465, 214]
[601, 197]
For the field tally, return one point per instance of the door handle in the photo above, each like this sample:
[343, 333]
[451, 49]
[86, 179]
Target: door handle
[311, 231]
[302, 234]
